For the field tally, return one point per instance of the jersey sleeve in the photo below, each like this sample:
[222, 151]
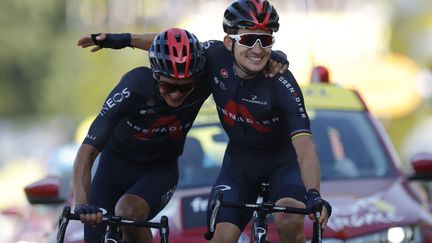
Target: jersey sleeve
[214, 52]
[292, 104]
[117, 105]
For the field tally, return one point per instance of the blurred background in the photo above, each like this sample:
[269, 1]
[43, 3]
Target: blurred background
[48, 85]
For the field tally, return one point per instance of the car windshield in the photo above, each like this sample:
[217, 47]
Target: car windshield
[202, 155]
[347, 144]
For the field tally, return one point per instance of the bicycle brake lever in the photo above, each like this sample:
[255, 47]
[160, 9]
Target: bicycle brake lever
[164, 229]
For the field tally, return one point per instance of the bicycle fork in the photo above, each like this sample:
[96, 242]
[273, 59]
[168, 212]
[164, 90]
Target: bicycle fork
[260, 224]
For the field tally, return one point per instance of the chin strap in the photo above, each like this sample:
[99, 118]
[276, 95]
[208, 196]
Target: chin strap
[245, 71]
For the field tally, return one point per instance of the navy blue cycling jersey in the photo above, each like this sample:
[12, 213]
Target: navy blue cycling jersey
[261, 116]
[260, 113]
[137, 122]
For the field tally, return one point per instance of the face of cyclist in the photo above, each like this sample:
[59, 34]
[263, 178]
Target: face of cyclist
[252, 49]
[175, 91]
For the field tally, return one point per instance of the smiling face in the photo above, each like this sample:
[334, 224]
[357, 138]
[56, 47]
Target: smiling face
[251, 60]
[175, 91]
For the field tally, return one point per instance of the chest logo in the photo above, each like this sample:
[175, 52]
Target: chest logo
[147, 111]
[254, 99]
[170, 125]
[234, 112]
[224, 73]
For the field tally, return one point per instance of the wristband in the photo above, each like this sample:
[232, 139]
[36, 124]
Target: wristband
[113, 41]
[313, 193]
[313, 200]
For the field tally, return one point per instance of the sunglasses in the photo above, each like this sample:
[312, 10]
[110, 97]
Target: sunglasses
[249, 40]
[172, 88]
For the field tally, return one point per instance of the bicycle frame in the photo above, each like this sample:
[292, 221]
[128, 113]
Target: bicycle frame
[260, 219]
[260, 223]
[113, 224]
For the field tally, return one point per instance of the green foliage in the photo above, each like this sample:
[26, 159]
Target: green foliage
[399, 129]
[28, 28]
[42, 71]
[79, 83]
[411, 32]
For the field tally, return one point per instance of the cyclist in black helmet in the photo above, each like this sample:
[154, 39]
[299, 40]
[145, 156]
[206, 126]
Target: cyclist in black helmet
[267, 123]
[265, 119]
[139, 133]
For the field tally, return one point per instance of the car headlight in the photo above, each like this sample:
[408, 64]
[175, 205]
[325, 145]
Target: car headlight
[402, 234]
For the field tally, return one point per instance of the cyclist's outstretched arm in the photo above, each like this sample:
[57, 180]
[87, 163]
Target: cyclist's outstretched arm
[278, 62]
[116, 41]
[143, 41]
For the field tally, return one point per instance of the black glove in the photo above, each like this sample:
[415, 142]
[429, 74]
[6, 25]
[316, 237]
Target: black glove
[279, 57]
[328, 207]
[113, 41]
[86, 209]
[314, 202]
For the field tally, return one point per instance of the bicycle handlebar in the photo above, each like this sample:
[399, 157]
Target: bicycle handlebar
[111, 219]
[263, 207]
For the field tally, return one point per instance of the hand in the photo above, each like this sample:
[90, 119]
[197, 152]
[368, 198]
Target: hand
[87, 41]
[113, 41]
[89, 214]
[278, 63]
[315, 202]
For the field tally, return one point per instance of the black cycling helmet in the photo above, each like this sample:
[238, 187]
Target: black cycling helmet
[250, 14]
[176, 53]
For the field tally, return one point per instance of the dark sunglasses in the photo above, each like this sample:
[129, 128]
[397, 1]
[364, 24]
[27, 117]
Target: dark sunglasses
[172, 88]
[249, 40]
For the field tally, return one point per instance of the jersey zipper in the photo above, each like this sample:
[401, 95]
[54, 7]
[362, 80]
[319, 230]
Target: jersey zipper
[243, 125]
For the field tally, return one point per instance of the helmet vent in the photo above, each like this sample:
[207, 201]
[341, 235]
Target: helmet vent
[176, 53]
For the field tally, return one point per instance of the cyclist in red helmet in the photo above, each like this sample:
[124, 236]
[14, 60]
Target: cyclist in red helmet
[139, 134]
[265, 119]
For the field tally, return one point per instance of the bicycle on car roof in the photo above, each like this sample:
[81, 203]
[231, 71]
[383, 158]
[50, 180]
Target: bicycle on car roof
[113, 232]
[261, 210]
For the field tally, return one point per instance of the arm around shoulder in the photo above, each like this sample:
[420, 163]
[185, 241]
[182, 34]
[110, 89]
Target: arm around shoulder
[117, 41]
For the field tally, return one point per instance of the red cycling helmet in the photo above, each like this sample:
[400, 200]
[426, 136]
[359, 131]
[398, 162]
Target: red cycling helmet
[176, 53]
[250, 14]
